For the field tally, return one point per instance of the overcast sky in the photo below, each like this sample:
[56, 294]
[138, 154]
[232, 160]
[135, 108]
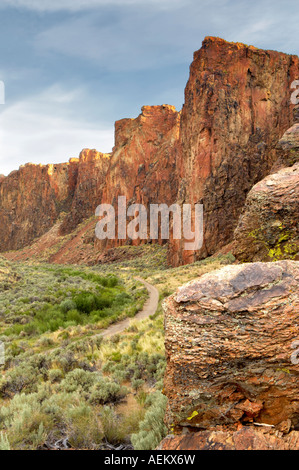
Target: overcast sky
[73, 67]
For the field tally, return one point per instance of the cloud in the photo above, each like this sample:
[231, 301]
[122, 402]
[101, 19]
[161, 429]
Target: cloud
[80, 5]
[126, 53]
[45, 129]
[125, 40]
[143, 38]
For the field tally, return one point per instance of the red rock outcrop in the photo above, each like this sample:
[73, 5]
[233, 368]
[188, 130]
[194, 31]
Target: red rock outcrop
[237, 106]
[268, 228]
[230, 339]
[31, 200]
[141, 167]
[246, 438]
[143, 162]
[92, 173]
[290, 139]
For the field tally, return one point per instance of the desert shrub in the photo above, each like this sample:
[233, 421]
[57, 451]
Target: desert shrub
[21, 379]
[57, 404]
[45, 342]
[25, 422]
[116, 356]
[152, 429]
[55, 375]
[80, 381]
[122, 298]
[111, 423]
[106, 391]
[15, 349]
[65, 360]
[84, 429]
[105, 281]
[4, 442]
[67, 305]
[109, 281]
[75, 317]
[86, 302]
[137, 384]
[31, 420]
[132, 419]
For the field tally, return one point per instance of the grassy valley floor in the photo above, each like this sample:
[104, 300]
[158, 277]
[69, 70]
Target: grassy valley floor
[64, 386]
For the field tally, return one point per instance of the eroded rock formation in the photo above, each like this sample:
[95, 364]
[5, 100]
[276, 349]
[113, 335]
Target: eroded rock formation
[269, 226]
[31, 200]
[246, 438]
[224, 141]
[143, 162]
[229, 343]
[92, 172]
[237, 106]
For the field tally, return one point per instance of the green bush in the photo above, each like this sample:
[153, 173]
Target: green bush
[67, 305]
[111, 423]
[152, 429]
[21, 379]
[4, 442]
[107, 392]
[55, 375]
[84, 429]
[87, 302]
[79, 381]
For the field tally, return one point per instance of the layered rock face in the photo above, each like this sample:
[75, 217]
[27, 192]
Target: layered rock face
[31, 200]
[92, 171]
[290, 140]
[269, 226]
[237, 106]
[244, 439]
[143, 162]
[141, 167]
[230, 340]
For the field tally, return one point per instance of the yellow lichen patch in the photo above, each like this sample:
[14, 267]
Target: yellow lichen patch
[194, 414]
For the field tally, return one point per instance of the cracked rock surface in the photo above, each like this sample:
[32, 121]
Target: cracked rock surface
[230, 339]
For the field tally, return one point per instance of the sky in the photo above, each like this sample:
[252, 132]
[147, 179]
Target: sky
[71, 68]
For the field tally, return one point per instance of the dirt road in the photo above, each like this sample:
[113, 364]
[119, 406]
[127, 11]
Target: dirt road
[149, 308]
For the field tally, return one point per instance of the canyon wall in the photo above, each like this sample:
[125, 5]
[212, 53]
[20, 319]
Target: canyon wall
[31, 200]
[223, 142]
[237, 107]
[91, 177]
[143, 162]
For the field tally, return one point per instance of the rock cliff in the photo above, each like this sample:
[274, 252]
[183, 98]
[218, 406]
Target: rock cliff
[31, 200]
[237, 107]
[91, 178]
[143, 163]
[223, 142]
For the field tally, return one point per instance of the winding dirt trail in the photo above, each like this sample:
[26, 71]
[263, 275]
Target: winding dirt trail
[149, 308]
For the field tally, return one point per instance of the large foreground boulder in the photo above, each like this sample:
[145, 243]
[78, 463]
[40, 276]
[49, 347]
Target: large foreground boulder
[268, 228]
[290, 140]
[231, 339]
